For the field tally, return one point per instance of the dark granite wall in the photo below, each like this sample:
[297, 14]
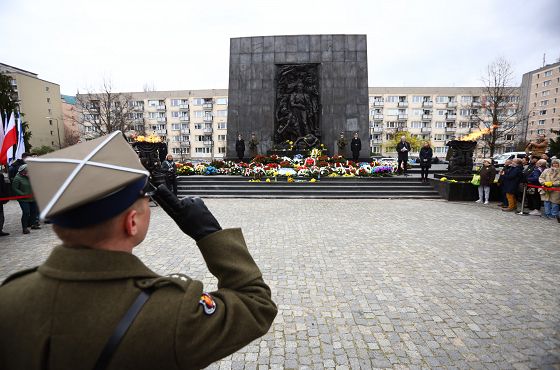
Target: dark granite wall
[343, 82]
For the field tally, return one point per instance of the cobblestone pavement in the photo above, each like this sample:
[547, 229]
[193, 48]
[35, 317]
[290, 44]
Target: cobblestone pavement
[375, 283]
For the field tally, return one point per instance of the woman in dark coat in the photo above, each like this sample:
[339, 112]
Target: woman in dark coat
[426, 155]
[487, 175]
[510, 184]
[355, 147]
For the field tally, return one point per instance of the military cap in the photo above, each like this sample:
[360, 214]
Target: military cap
[87, 183]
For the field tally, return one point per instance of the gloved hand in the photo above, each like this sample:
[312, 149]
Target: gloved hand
[548, 184]
[190, 214]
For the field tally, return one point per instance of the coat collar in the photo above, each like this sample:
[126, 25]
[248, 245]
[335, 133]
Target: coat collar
[67, 263]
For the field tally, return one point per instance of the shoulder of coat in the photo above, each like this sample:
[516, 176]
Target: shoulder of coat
[175, 280]
[19, 274]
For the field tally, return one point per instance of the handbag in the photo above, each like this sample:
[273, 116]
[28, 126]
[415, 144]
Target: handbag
[475, 180]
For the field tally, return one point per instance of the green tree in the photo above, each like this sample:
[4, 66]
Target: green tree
[9, 103]
[391, 145]
[42, 150]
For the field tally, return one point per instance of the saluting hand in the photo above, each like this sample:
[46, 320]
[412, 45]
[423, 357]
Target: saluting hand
[190, 213]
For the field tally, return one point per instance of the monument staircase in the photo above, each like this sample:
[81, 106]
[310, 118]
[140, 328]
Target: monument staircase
[354, 187]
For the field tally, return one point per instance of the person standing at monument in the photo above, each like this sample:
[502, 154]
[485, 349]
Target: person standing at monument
[426, 154]
[253, 146]
[94, 305]
[355, 147]
[403, 147]
[240, 147]
[170, 169]
[341, 144]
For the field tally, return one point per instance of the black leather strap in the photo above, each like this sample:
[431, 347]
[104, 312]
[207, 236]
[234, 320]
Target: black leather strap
[120, 330]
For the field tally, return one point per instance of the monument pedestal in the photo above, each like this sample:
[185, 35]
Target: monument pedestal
[292, 153]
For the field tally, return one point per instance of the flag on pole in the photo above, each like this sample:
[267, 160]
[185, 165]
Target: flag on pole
[2, 128]
[21, 143]
[10, 139]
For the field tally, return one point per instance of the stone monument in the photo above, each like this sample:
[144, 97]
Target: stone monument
[303, 89]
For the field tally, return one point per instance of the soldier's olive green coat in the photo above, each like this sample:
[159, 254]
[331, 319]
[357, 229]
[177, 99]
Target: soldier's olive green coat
[61, 316]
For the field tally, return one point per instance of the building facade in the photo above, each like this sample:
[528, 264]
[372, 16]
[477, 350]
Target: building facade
[541, 97]
[39, 102]
[194, 122]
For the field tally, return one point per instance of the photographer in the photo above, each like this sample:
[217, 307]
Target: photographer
[94, 305]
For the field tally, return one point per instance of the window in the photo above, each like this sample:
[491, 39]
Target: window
[545, 93]
[46, 88]
[465, 99]
[442, 99]
[156, 115]
[199, 113]
[392, 112]
[441, 149]
[544, 102]
[390, 124]
[541, 122]
[221, 113]
[546, 83]
[50, 122]
[417, 99]
[175, 114]
[153, 103]
[464, 112]
[416, 124]
[198, 126]
[509, 137]
[221, 101]
[221, 149]
[441, 112]
[222, 125]
[205, 150]
[135, 115]
[542, 112]
[136, 103]
[175, 102]
[175, 126]
[49, 110]
[540, 132]
[548, 73]
[48, 100]
[439, 137]
[221, 137]
[440, 125]
[197, 101]
[417, 112]
[392, 99]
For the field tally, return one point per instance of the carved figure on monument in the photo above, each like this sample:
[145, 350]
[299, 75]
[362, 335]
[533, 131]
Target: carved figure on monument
[306, 142]
[297, 104]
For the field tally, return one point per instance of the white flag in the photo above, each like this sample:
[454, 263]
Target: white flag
[21, 143]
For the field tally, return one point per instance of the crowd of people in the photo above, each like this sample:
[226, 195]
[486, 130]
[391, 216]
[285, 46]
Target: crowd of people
[534, 180]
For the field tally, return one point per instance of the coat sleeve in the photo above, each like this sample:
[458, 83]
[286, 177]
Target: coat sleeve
[16, 183]
[542, 178]
[243, 312]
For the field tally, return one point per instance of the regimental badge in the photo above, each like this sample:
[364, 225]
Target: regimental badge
[208, 303]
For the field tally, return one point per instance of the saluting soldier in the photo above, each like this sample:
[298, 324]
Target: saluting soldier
[94, 305]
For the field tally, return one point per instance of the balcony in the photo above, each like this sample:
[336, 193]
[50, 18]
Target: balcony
[160, 107]
[185, 144]
[476, 104]
[184, 106]
[427, 104]
[450, 117]
[207, 106]
[161, 119]
[377, 129]
[207, 130]
[138, 108]
[426, 117]
[184, 118]
[185, 131]
[402, 116]
[161, 132]
[207, 143]
[376, 141]
[378, 116]
[452, 104]
[378, 103]
[426, 130]
[450, 129]
[403, 104]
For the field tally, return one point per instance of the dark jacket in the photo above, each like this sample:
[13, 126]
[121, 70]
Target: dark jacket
[12, 171]
[400, 145]
[240, 146]
[426, 155]
[22, 186]
[61, 316]
[487, 175]
[533, 178]
[355, 145]
[170, 168]
[527, 171]
[511, 179]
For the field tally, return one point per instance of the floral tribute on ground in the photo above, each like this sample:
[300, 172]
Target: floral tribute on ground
[272, 167]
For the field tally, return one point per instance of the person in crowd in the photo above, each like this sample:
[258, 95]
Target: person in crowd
[22, 187]
[240, 147]
[533, 195]
[503, 171]
[253, 146]
[547, 158]
[13, 169]
[426, 154]
[538, 147]
[511, 180]
[550, 178]
[487, 175]
[403, 147]
[170, 169]
[355, 147]
[4, 193]
[94, 305]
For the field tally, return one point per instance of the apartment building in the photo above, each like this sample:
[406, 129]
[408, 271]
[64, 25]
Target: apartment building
[433, 114]
[39, 101]
[194, 122]
[540, 93]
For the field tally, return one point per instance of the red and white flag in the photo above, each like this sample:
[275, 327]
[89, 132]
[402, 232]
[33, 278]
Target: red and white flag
[10, 139]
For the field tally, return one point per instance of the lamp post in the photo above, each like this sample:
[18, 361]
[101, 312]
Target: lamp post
[57, 131]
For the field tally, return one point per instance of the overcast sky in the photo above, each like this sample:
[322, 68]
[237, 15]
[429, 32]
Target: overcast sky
[174, 44]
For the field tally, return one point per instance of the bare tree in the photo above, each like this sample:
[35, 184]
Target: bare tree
[105, 111]
[500, 114]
